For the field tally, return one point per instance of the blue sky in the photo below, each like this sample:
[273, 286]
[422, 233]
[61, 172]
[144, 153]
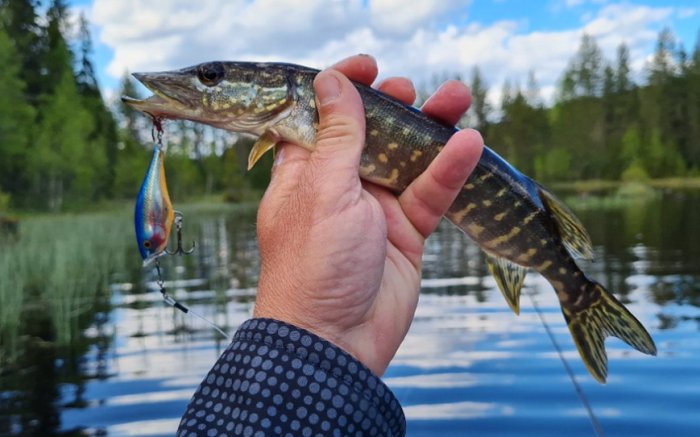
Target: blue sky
[418, 39]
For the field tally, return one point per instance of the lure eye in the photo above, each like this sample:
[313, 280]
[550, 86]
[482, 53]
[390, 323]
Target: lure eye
[211, 74]
[147, 244]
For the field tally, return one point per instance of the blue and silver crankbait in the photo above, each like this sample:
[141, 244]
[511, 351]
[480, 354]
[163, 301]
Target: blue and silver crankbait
[154, 215]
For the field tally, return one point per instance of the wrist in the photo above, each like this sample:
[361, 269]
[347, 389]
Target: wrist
[351, 339]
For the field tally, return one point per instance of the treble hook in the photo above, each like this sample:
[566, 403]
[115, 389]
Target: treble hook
[178, 227]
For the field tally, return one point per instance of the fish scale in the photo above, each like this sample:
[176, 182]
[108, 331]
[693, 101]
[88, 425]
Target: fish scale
[516, 221]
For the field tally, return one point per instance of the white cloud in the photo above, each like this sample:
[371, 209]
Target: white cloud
[687, 12]
[395, 16]
[415, 41]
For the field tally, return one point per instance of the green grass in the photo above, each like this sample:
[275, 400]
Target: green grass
[61, 265]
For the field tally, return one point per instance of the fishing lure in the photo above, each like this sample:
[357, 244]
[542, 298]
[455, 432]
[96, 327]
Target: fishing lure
[154, 217]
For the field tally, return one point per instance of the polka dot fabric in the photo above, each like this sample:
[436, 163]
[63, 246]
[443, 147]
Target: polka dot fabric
[275, 379]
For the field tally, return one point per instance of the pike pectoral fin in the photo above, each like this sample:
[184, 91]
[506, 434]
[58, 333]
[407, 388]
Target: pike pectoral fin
[604, 316]
[573, 234]
[509, 277]
[266, 142]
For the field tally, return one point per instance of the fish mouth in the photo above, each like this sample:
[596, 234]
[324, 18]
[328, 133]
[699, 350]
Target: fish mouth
[173, 94]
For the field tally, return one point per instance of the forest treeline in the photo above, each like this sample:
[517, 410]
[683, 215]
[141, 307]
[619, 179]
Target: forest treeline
[62, 146]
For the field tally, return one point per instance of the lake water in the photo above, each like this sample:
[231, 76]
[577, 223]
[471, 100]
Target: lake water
[469, 366]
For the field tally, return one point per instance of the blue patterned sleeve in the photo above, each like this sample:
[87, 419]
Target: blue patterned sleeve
[275, 379]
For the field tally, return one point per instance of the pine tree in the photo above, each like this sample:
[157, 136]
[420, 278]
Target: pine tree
[480, 108]
[16, 117]
[578, 118]
[623, 82]
[664, 64]
[132, 157]
[21, 22]
[583, 77]
[104, 132]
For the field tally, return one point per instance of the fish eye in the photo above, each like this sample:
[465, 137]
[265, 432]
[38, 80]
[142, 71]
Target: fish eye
[211, 74]
[147, 244]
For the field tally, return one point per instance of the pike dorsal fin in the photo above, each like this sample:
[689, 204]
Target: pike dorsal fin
[573, 234]
[509, 277]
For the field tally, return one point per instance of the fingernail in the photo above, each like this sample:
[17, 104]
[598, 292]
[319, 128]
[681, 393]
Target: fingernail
[327, 87]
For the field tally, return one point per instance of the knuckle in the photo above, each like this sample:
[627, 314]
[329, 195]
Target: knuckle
[337, 128]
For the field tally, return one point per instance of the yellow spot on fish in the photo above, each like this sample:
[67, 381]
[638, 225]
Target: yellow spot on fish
[487, 202]
[563, 297]
[543, 242]
[501, 192]
[515, 230]
[486, 176]
[469, 186]
[527, 256]
[394, 175]
[544, 265]
[402, 163]
[529, 218]
[498, 217]
[458, 216]
[475, 229]
[562, 271]
[373, 133]
[393, 146]
[415, 155]
[367, 169]
[383, 158]
[312, 103]
[387, 182]
[406, 131]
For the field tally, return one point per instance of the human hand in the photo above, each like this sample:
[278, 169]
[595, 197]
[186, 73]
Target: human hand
[341, 257]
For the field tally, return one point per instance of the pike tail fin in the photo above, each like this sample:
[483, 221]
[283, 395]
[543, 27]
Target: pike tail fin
[604, 315]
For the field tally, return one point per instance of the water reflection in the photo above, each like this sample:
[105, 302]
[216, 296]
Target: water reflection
[468, 363]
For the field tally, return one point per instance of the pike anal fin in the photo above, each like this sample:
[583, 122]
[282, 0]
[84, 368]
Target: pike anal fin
[604, 316]
[267, 141]
[509, 277]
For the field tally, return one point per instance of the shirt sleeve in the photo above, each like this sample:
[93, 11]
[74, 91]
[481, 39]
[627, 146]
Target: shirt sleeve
[275, 379]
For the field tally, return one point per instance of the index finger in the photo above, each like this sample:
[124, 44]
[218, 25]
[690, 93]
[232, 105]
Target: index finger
[358, 68]
[449, 102]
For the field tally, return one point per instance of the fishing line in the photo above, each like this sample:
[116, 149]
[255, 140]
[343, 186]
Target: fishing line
[579, 390]
[172, 302]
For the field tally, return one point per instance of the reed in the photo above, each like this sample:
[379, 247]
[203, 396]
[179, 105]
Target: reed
[61, 265]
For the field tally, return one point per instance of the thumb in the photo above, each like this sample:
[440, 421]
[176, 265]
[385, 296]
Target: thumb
[341, 132]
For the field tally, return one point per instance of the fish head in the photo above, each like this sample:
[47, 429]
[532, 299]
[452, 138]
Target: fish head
[152, 240]
[236, 96]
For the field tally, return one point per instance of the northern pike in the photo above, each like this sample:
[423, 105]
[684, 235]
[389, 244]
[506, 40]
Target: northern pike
[518, 223]
[154, 214]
